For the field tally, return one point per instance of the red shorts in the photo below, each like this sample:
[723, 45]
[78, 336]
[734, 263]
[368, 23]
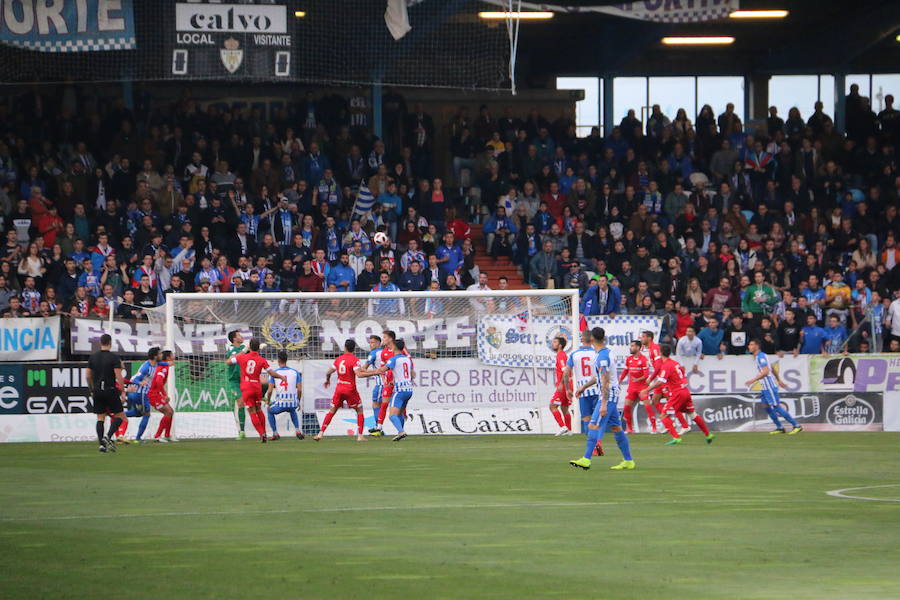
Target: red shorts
[387, 392]
[633, 394]
[157, 399]
[680, 401]
[560, 399]
[251, 394]
[350, 397]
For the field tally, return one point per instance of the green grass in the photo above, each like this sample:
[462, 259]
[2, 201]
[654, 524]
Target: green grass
[452, 517]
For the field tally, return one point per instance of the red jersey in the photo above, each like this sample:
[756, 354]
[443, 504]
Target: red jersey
[160, 377]
[387, 377]
[637, 367]
[654, 356]
[252, 366]
[672, 375]
[344, 365]
[561, 360]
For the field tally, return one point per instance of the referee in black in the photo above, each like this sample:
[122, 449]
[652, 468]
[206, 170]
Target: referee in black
[107, 385]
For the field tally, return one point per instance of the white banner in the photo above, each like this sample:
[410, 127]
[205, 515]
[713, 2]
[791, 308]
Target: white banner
[236, 18]
[29, 339]
[136, 337]
[444, 383]
[516, 341]
[663, 11]
[728, 374]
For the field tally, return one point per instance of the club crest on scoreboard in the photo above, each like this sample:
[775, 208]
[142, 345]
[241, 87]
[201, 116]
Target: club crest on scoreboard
[231, 55]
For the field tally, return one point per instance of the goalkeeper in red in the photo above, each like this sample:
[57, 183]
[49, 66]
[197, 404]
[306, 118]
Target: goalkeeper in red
[671, 379]
[252, 366]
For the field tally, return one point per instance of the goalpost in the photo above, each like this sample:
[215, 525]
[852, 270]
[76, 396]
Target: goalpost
[482, 358]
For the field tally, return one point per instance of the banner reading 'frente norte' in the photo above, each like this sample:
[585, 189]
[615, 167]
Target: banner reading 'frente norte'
[68, 25]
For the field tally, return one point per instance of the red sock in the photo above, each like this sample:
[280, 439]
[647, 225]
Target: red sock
[327, 421]
[260, 423]
[162, 426]
[670, 427]
[123, 427]
[652, 414]
[360, 419]
[169, 426]
[627, 414]
[682, 421]
[567, 417]
[558, 416]
[701, 424]
[382, 412]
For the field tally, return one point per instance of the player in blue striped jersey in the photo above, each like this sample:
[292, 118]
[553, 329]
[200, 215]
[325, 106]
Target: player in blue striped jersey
[401, 366]
[580, 369]
[284, 396]
[606, 412]
[138, 402]
[374, 362]
[769, 381]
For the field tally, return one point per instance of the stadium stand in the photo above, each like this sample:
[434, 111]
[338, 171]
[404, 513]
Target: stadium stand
[106, 208]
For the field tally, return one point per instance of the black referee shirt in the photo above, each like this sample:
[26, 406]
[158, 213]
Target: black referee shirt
[103, 366]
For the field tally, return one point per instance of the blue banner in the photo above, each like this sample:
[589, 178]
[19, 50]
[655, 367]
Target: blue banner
[67, 25]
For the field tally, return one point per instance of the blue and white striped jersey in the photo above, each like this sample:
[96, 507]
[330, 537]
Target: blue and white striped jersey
[285, 394]
[768, 382]
[402, 366]
[374, 362]
[581, 362]
[143, 378]
[606, 363]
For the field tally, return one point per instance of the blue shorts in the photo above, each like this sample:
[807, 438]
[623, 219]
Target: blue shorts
[587, 404]
[612, 418]
[277, 410]
[376, 394]
[399, 399]
[138, 401]
[769, 398]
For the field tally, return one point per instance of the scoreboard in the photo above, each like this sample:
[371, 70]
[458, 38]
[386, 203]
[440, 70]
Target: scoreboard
[231, 41]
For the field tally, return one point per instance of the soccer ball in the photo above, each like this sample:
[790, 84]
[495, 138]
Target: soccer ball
[380, 238]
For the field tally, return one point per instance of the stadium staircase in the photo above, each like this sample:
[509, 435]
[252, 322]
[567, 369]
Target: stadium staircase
[496, 267]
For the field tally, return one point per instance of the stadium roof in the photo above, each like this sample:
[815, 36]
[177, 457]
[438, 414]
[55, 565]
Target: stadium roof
[817, 37]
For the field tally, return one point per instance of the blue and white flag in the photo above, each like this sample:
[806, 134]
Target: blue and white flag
[68, 25]
[364, 201]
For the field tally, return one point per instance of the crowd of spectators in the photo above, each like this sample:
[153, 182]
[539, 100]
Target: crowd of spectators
[786, 231]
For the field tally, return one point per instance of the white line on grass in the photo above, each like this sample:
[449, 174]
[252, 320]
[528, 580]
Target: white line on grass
[347, 509]
[841, 494]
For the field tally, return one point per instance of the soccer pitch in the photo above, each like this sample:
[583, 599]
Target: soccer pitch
[453, 517]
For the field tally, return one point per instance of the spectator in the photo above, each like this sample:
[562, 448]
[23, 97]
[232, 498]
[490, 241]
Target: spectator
[689, 345]
[736, 336]
[542, 267]
[812, 337]
[711, 338]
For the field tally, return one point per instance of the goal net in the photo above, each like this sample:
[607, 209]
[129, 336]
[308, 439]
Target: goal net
[483, 361]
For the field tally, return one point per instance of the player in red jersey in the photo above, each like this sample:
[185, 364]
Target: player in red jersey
[252, 366]
[346, 365]
[562, 393]
[671, 377]
[652, 352]
[159, 397]
[387, 386]
[637, 369]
